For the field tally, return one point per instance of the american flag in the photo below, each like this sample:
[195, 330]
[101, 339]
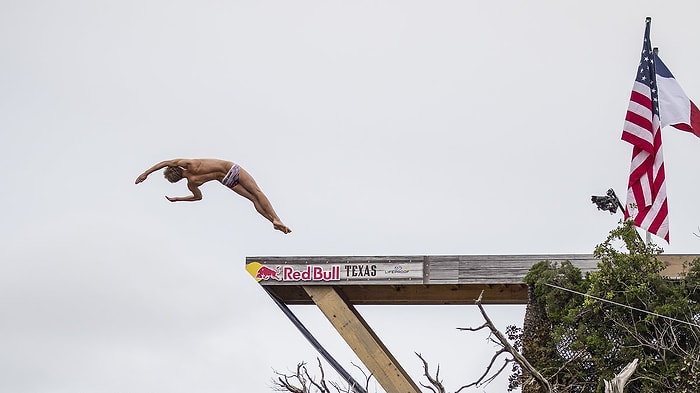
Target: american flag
[646, 191]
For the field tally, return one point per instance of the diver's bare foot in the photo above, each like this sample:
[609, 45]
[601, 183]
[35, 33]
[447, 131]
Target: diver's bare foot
[281, 227]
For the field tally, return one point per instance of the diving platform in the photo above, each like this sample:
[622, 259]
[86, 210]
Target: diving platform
[418, 280]
[335, 284]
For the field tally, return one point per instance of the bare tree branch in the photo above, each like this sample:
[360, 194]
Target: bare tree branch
[368, 377]
[302, 382]
[321, 386]
[485, 325]
[520, 359]
[283, 381]
[482, 379]
[435, 381]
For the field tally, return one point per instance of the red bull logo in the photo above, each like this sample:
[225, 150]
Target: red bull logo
[265, 273]
[288, 273]
[261, 272]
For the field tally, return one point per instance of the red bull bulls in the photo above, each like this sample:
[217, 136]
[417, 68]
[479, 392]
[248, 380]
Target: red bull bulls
[265, 273]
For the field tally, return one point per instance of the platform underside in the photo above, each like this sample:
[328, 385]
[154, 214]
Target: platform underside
[411, 294]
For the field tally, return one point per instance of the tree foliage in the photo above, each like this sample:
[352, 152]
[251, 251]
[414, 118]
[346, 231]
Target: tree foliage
[630, 311]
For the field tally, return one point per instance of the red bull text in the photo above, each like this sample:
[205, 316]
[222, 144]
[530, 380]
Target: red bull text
[288, 273]
[312, 273]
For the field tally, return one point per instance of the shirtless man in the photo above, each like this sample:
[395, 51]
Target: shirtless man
[200, 171]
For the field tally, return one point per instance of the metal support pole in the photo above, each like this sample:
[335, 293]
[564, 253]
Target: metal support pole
[354, 386]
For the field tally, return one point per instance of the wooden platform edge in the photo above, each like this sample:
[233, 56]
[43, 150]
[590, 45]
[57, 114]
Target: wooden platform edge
[416, 279]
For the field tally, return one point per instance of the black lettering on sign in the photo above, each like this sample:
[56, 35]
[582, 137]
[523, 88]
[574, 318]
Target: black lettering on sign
[361, 270]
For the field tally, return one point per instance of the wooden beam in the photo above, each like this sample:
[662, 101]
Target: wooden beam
[675, 264]
[363, 341]
[425, 280]
[440, 294]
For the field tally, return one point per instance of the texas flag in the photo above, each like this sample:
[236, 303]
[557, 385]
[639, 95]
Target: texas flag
[675, 107]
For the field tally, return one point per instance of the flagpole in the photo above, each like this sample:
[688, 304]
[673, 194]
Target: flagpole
[656, 52]
[647, 233]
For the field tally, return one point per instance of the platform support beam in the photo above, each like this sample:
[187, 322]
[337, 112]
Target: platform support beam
[363, 341]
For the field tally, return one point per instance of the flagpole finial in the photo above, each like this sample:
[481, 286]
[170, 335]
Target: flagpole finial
[648, 19]
[656, 50]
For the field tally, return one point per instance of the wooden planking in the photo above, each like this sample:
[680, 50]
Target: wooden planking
[319, 260]
[448, 279]
[675, 262]
[442, 269]
[489, 269]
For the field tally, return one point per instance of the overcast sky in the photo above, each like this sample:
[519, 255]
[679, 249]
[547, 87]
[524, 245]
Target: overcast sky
[374, 127]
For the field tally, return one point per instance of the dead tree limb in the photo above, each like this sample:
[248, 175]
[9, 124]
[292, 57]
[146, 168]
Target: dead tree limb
[474, 329]
[368, 377]
[435, 381]
[321, 385]
[519, 358]
[482, 379]
[283, 382]
[302, 382]
[617, 384]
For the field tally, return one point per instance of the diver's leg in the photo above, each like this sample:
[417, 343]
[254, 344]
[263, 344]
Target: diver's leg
[248, 188]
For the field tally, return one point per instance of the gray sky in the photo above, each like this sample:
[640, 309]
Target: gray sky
[375, 128]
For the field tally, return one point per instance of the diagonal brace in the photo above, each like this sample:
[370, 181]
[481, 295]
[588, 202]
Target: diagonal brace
[363, 341]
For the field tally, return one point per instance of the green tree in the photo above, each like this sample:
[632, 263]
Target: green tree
[630, 311]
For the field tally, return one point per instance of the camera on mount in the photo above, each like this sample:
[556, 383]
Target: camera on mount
[608, 202]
